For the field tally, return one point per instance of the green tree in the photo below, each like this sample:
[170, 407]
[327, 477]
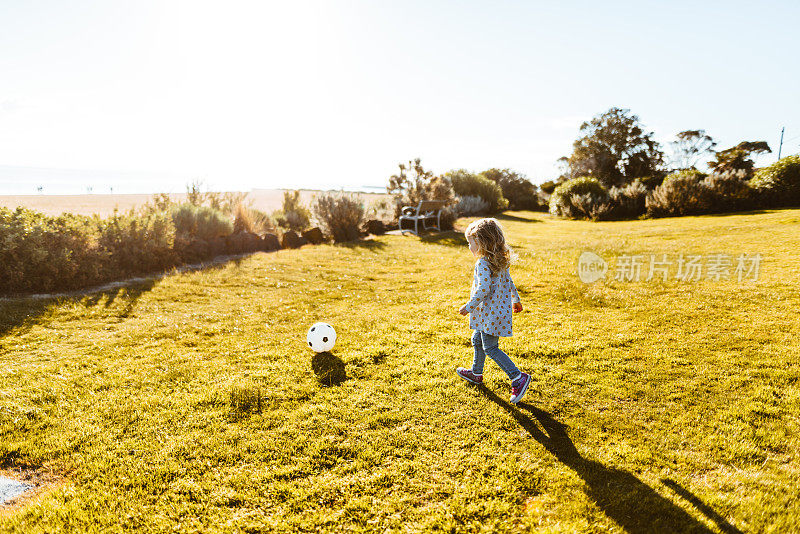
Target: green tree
[615, 149]
[467, 184]
[689, 147]
[738, 157]
[520, 192]
[548, 186]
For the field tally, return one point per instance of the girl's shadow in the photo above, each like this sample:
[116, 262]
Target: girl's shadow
[631, 503]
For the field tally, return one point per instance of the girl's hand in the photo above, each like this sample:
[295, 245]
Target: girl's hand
[463, 310]
[517, 307]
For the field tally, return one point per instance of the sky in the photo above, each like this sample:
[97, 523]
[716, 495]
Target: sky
[146, 96]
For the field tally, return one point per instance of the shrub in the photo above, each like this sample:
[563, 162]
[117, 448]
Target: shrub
[243, 221]
[470, 205]
[651, 182]
[262, 222]
[447, 218]
[587, 206]
[160, 202]
[251, 220]
[41, 253]
[381, 209]
[340, 215]
[779, 184]
[681, 193]
[228, 201]
[628, 202]
[201, 222]
[518, 190]
[138, 244]
[414, 184]
[293, 215]
[466, 184]
[575, 198]
[685, 174]
[730, 191]
[548, 187]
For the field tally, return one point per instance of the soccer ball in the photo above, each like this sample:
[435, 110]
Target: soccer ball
[321, 337]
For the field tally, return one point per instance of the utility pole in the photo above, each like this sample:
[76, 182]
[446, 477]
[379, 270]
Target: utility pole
[781, 145]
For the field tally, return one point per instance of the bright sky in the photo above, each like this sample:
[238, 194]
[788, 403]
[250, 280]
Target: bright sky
[328, 94]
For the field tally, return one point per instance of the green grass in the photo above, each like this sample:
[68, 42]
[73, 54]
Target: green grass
[190, 404]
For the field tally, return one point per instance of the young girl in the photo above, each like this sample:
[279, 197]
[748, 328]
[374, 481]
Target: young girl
[492, 300]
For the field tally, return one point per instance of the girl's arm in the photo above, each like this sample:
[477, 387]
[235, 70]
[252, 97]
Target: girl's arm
[481, 291]
[514, 293]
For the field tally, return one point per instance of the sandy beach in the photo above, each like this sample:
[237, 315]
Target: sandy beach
[103, 204]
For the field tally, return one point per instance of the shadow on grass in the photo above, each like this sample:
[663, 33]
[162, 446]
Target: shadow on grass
[706, 510]
[507, 217]
[632, 504]
[731, 213]
[25, 311]
[329, 369]
[369, 244]
[450, 238]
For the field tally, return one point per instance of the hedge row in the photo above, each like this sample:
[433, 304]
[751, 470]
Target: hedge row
[687, 192]
[40, 253]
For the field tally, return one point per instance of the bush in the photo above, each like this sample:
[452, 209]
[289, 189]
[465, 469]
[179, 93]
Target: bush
[548, 187]
[447, 218]
[251, 220]
[779, 184]
[293, 215]
[628, 202]
[518, 190]
[340, 215]
[243, 221]
[41, 253]
[470, 205]
[200, 222]
[730, 191]
[694, 174]
[381, 209]
[681, 193]
[467, 184]
[138, 244]
[414, 184]
[651, 182]
[576, 198]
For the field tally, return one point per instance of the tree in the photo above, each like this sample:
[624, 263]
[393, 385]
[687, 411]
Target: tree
[548, 186]
[564, 172]
[690, 146]
[413, 184]
[615, 149]
[738, 157]
[520, 192]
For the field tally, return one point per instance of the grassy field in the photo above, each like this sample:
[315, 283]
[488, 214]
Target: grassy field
[191, 403]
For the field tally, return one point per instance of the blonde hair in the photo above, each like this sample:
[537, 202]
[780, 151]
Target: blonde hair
[491, 241]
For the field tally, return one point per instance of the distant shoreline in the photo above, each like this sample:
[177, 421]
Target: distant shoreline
[103, 204]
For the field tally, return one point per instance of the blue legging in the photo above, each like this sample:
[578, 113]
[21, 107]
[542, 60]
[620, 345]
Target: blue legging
[488, 344]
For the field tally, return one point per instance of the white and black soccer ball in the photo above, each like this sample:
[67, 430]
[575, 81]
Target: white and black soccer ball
[321, 337]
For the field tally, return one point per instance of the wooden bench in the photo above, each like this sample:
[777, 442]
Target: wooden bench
[427, 210]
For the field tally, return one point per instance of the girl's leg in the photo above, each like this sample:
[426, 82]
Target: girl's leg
[480, 355]
[491, 347]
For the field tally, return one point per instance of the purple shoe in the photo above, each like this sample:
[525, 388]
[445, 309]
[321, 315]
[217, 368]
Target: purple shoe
[519, 387]
[469, 376]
